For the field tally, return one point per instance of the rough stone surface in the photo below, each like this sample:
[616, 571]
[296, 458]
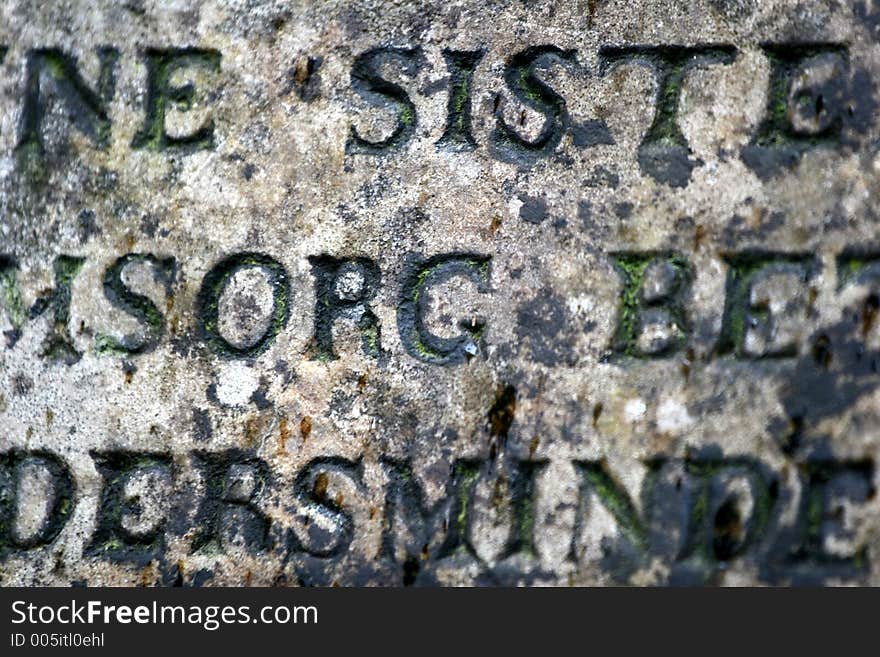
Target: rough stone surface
[417, 293]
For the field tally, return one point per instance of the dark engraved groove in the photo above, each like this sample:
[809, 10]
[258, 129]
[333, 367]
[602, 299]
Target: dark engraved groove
[439, 531]
[310, 488]
[667, 302]
[228, 510]
[58, 345]
[209, 303]
[59, 511]
[664, 153]
[379, 92]
[161, 65]
[88, 108]
[420, 276]
[111, 539]
[739, 314]
[523, 82]
[777, 143]
[136, 305]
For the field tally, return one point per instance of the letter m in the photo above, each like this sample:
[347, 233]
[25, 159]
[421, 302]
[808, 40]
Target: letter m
[414, 530]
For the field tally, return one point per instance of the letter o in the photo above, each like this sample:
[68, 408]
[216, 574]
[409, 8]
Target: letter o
[215, 283]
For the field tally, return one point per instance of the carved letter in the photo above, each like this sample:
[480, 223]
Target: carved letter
[652, 322]
[457, 135]
[596, 478]
[133, 511]
[664, 153]
[58, 345]
[730, 507]
[413, 305]
[88, 108]
[528, 88]
[798, 117]
[758, 311]
[826, 543]
[233, 481]
[161, 65]
[521, 539]
[15, 466]
[439, 531]
[343, 289]
[311, 490]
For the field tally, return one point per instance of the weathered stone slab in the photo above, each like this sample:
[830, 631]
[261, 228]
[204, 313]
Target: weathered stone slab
[439, 293]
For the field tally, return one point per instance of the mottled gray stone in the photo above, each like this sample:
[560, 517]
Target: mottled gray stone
[277, 277]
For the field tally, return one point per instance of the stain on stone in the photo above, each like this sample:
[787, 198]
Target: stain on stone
[502, 414]
[283, 370]
[341, 402]
[22, 385]
[739, 231]
[667, 163]
[591, 133]
[88, 228]
[602, 177]
[559, 225]
[541, 327]
[585, 214]
[533, 210]
[862, 105]
[824, 387]
[211, 394]
[202, 429]
[128, 371]
[436, 86]
[623, 210]
[259, 398]
[734, 9]
[868, 13]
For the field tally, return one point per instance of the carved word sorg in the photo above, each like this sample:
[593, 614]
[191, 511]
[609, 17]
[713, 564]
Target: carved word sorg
[652, 316]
